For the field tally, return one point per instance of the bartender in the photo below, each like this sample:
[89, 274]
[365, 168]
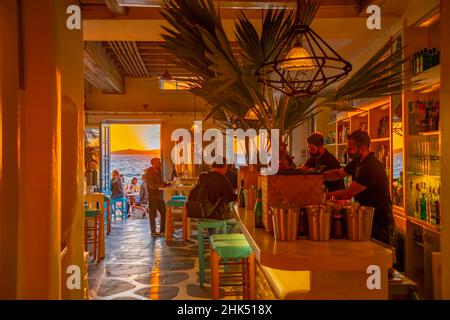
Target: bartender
[369, 187]
[321, 159]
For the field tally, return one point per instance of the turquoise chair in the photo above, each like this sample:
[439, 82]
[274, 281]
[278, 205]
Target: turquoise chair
[204, 224]
[123, 207]
[232, 247]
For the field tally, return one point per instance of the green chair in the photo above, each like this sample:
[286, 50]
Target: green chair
[170, 225]
[92, 225]
[204, 224]
[234, 250]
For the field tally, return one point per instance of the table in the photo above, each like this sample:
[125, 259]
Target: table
[335, 269]
[97, 201]
[186, 190]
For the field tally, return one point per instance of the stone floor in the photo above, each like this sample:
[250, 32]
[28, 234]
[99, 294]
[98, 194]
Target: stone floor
[138, 267]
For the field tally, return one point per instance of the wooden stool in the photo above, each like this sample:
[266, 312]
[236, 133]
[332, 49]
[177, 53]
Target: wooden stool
[170, 225]
[204, 224]
[92, 215]
[232, 251]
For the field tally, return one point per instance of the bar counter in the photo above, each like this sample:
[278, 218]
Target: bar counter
[304, 269]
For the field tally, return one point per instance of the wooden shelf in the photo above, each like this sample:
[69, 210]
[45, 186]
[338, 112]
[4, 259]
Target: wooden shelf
[430, 133]
[381, 139]
[420, 244]
[428, 80]
[424, 224]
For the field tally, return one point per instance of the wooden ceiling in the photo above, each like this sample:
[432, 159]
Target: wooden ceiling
[143, 59]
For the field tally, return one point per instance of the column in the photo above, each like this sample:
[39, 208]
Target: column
[39, 274]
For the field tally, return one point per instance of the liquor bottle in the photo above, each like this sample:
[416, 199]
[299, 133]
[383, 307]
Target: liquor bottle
[413, 64]
[432, 206]
[438, 206]
[241, 195]
[258, 210]
[417, 213]
[420, 62]
[423, 206]
[426, 60]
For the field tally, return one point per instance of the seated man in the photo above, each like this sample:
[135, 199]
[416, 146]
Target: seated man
[216, 193]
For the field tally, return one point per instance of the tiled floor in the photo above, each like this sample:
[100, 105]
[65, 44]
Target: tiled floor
[139, 267]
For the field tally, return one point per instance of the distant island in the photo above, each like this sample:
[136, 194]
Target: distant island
[153, 153]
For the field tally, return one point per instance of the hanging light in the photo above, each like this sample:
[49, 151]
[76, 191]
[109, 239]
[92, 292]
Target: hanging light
[298, 59]
[251, 115]
[166, 76]
[304, 64]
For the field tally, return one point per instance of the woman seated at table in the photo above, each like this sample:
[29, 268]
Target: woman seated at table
[133, 187]
[142, 203]
[117, 190]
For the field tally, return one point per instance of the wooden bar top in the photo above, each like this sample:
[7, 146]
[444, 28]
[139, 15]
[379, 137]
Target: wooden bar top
[305, 255]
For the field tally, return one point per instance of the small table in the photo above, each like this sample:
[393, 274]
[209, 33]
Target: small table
[170, 191]
[97, 201]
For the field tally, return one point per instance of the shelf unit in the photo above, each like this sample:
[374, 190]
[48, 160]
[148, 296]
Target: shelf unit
[422, 157]
[369, 117]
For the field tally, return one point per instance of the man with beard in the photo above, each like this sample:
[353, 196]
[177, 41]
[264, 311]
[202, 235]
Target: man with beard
[321, 160]
[370, 185]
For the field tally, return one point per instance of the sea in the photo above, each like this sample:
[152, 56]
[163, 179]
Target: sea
[131, 166]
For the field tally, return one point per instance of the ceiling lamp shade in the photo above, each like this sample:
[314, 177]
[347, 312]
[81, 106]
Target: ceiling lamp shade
[298, 59]
[305, 64]
[166, 76]
[251, 115]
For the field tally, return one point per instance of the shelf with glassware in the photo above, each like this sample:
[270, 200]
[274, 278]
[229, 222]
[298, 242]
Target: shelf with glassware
[422, 137]
[373, 118]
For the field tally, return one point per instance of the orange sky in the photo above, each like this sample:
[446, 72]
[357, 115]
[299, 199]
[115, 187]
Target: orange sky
[136, 137]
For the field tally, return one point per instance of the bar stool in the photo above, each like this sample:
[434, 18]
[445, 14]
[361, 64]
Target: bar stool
[232, 250]
[204, 224]
[123, 207]
[170, 224]
[92, 216]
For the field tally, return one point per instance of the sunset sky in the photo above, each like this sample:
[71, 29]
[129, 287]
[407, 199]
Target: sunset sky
[136, 137]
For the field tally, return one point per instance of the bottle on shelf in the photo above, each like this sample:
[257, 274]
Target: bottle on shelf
[423, 205]
[417, 202]
[438, 206]
[242, 195]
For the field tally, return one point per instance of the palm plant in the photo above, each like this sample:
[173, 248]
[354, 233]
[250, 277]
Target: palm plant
[228, 81]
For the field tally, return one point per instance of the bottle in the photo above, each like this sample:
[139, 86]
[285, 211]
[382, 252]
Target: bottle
[432, 201]
[420, 62]
[423, 206]
[417, 213]
[242, 195]
[413, 64]
[258, 210]
[426, 60]
[438, 206]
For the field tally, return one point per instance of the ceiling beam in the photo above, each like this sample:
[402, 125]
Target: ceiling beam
[115, 7]
[228, 9]
[100, 70]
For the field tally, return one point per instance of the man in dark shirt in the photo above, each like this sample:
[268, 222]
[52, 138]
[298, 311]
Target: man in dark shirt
[154, 181]
[217, 186]
[370, 185]
[321, 159]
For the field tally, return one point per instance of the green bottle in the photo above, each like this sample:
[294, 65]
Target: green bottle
[423, 207]
[258, 210]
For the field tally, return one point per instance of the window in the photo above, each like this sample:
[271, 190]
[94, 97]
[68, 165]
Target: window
[173, 85]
